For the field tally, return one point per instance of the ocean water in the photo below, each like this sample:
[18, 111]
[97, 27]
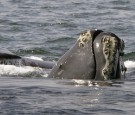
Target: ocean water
[46, 29]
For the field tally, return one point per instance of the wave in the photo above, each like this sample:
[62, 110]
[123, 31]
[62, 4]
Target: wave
[129, 64]
[33, 51]
[23, 71]
[129, 56]
[61, 39]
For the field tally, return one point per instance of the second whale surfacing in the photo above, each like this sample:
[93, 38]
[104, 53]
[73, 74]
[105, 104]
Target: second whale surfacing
[96, 55]
[9, 58]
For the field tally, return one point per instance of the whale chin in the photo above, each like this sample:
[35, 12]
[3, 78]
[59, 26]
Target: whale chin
[96, 55]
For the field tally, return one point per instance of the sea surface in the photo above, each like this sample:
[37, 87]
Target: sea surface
[46, 29]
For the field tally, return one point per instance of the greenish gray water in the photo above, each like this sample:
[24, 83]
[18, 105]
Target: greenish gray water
[47, 29]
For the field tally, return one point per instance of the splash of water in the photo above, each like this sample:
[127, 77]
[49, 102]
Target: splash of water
[129, 64]
[13, 70]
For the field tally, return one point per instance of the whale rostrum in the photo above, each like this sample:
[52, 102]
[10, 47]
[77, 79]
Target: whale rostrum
[96, 55]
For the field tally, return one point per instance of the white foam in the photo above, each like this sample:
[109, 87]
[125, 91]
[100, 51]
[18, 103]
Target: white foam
[79, 81]
[35, 58]
[20, 70]
[129, 64]
[14, 70]
[83, 82]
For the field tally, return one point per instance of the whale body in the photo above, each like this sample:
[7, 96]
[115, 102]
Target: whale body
[96, 55]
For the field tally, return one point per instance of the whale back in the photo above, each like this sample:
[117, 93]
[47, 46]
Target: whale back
[5, 54]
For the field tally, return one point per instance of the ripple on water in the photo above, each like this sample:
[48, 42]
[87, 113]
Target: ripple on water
[46, 28]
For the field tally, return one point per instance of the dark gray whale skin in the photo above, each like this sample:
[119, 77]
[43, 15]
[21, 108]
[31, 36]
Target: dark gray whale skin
[78, 62]
[9, 58]
[96, 55]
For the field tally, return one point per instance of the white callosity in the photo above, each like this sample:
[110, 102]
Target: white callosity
[84, 38]
[110, 45]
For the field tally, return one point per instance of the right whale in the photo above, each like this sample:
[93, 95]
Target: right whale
[96, 55]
